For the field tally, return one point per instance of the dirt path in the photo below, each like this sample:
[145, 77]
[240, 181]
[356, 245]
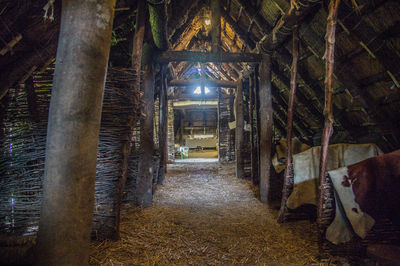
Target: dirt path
[202, 215]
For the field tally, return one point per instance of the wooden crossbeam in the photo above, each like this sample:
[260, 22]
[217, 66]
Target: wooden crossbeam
[204, 57]
[202, 82]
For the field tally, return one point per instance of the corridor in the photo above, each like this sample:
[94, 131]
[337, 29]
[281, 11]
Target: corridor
[203, 214]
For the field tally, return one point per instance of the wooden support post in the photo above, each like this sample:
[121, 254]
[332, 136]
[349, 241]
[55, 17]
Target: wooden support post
[265, 97]
[289, 175]
[138, 39]
[239, 131]
[144, 185]
[215, 26]
[73, 133]
[163, 131]
[254, 131]
[136, 62]
[328, 129]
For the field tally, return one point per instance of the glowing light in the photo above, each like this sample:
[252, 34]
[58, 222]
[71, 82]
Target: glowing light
[198, 90]
[207, 21]
[204, 136]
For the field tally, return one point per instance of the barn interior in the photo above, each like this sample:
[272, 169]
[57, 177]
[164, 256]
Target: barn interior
[187, 132]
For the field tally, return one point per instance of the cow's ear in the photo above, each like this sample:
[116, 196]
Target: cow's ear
[346, 182]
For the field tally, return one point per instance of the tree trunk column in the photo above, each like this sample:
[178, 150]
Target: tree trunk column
[73, 132]
[144, 193]
[265, 127]
[239, 132]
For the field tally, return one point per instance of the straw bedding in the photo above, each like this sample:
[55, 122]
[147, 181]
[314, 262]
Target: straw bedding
[204, 215]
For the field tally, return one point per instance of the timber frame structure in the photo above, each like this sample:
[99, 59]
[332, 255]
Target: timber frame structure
[319, 70]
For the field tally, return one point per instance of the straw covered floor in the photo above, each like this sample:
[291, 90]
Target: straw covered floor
[203, 214]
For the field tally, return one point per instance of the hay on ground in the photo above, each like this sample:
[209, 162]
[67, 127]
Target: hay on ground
[204, 215]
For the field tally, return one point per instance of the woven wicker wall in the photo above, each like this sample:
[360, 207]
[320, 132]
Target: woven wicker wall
[23, 152]
[171, 135]
[118, 106]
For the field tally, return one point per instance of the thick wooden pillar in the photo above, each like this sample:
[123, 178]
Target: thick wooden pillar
[254, 131]
[215, 26]
[73, 132]
[289, 175]
[239, 131]
[265, 97]
[144, 186]
[328, 112]
[163, 130]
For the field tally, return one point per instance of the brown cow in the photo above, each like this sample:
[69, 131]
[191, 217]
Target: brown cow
[376, 185]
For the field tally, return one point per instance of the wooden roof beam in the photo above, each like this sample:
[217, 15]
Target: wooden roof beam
[255, 15]
[205, 57]
[284, 26]
[237, 29]
[185, 21]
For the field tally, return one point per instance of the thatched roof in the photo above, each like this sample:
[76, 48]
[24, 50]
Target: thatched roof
[367, 67]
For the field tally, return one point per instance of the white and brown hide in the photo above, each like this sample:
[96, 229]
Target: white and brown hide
[279, 159]
[365, 192]
[306, 168]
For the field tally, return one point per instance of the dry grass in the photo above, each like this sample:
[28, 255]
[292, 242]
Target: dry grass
[204, 215]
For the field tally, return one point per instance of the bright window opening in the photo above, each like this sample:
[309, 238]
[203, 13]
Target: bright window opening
[198, 90]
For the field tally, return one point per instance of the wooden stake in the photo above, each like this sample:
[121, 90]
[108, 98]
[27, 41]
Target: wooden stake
[289, 178]
[73, 133]
[265, 97]
[328, 129]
